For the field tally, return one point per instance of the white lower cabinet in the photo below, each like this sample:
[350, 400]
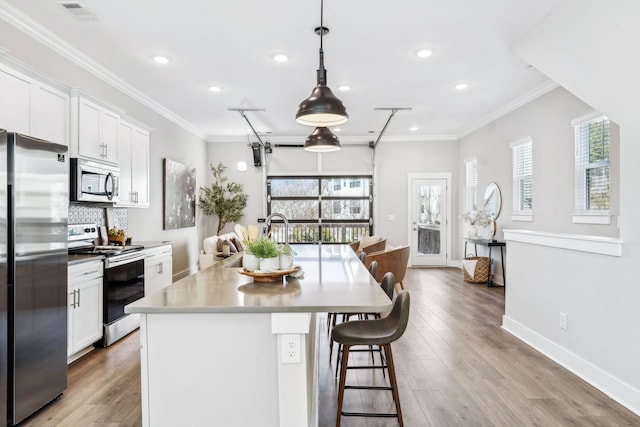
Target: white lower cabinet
[158, 268]
[84, 323]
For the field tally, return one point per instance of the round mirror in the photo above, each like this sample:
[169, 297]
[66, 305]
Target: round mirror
[492, 200]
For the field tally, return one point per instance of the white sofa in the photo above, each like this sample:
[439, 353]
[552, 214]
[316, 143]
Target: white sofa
[210, 248]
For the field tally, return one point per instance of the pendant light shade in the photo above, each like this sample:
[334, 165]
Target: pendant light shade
[322, 108]
[322, 140]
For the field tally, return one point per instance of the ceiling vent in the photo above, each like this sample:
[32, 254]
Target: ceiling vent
[79, 11]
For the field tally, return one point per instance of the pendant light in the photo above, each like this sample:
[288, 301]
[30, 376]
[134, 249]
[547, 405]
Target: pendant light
[322, 108]
[322, 140]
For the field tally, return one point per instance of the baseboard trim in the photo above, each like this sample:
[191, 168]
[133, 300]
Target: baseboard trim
[182, 274]
[618, 390]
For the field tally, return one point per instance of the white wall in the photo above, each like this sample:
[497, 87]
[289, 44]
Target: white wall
[588, 46]
[547, 121]
[393, 161]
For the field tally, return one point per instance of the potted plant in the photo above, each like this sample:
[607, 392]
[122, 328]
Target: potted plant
[266, 251]
[223, 198]
[285, 256]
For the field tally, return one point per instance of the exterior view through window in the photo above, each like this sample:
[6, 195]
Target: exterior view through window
[327, 209]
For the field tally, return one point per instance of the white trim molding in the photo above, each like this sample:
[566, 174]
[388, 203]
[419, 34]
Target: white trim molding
[616, 388]
[576, 242]
[591, 219]
[522, 217]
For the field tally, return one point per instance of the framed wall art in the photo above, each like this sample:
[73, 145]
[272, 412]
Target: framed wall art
[179, 193]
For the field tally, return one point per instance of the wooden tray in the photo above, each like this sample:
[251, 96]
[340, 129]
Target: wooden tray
[274, 276]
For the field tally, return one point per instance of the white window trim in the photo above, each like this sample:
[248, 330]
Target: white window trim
[522, 217]
[604, 219]
[469, 202]
[590, 217]
[525, 215]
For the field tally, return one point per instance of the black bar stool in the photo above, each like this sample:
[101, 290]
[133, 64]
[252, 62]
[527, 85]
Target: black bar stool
[380, 332]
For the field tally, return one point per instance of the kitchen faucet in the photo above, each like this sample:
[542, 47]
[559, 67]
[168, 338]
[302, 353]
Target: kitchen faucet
[286, 225]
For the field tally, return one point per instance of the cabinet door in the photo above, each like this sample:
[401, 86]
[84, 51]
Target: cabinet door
[71, 299]
[89, 141]
[157, 274]
[15, 102]
[125, 138]
[50, 114]
[87, 316]
[109, 134]
[140, 167]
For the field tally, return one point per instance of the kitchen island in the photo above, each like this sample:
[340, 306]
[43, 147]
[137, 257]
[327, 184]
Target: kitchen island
[219, 349]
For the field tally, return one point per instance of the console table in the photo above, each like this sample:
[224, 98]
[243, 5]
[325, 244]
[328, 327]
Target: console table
[490, 243]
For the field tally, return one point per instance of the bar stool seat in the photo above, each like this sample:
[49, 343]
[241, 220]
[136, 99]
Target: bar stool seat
[380, 332]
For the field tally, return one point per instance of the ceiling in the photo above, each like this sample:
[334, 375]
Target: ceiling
[371, 46]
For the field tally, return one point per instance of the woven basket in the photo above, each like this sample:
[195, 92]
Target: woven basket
[481, 273]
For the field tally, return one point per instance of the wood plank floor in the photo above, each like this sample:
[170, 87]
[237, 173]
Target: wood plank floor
[455, 367]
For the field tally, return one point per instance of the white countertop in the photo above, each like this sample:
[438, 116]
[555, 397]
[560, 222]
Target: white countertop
[334, 281]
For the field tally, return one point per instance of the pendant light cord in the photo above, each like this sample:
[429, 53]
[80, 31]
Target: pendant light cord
[322, 73]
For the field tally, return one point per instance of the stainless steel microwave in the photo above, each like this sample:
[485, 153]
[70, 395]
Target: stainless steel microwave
[92, 181]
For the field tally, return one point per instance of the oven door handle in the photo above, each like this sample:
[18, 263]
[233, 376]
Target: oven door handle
[118, 260]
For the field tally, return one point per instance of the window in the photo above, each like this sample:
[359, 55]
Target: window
[328, 209]
[522, 173]
[592, 143]
[471, 167]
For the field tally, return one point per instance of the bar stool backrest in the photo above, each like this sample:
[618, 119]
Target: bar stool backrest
[373, 269]
[388, 280]
[398, 318]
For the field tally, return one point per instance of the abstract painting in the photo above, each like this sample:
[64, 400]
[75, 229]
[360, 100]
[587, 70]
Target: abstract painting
[179, 195]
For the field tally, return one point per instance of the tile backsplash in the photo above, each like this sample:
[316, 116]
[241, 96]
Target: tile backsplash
[110, 217]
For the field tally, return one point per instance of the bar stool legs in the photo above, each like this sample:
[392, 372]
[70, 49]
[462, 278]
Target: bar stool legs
[392, 382]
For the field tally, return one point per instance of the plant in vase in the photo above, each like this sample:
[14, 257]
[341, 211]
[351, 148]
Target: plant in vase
[266, 251]
[285, 256]
[475, 218]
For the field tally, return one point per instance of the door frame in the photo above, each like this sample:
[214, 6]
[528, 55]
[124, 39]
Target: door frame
[446, 176]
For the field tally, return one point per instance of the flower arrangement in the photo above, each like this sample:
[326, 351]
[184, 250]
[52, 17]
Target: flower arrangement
[476, 218]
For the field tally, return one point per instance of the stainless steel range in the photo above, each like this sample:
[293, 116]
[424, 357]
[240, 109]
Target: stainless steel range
[123, 280]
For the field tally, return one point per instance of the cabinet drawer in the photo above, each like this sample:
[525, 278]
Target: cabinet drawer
[157, 252]
[84, 272]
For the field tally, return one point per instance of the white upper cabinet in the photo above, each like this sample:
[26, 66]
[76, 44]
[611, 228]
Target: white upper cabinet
[15, 102]
[30, 107]
[97, 131]
[50, 119]
[133, 148]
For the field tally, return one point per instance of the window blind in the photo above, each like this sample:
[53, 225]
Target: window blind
[522, 161]
[592, 142]
[471, 167]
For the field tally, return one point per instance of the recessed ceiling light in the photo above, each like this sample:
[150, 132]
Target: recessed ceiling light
[215, 88]
[344, 88]
[424, 53]
[159, 59]
[414, 128]
[462, 86]
[279, 57]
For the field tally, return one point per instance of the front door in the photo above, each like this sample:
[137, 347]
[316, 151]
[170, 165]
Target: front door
[428, 218]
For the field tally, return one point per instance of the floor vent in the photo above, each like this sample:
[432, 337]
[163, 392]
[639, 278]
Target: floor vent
[78, 10]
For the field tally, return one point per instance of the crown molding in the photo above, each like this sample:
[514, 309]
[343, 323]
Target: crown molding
[348, 140]
[34, 30]
[513, 105]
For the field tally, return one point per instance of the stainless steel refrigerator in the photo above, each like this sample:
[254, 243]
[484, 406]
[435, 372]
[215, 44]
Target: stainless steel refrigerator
[34, 202]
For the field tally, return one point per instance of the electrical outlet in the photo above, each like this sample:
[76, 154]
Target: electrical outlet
[290, 348]
[391, 217]
[563, 321]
